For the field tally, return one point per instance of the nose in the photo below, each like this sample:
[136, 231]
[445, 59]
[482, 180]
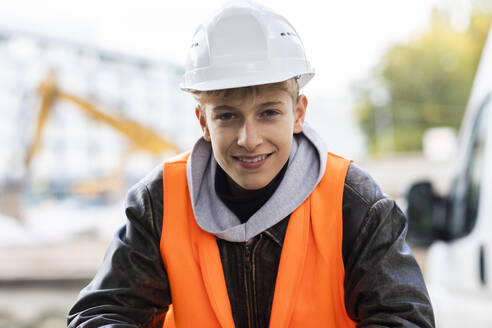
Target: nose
[249, 136]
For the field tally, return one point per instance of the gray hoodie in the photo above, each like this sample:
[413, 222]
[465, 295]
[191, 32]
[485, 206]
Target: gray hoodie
[307, 162]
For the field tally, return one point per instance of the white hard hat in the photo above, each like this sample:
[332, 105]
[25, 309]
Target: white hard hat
[245, 44]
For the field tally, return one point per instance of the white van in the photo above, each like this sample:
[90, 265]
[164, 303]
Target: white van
[458, 227]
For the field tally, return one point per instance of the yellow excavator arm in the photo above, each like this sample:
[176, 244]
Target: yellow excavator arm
[141, 137]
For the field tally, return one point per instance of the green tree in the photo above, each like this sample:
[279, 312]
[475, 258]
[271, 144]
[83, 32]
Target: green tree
[422, 83]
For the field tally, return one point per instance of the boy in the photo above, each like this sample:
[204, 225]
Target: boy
[259, 225]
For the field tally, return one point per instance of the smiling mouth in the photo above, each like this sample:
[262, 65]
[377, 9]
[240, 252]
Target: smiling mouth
[250, 159]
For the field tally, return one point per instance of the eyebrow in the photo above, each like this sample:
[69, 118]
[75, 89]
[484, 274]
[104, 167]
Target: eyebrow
[261, 106]
[224, 107]
[270, 104]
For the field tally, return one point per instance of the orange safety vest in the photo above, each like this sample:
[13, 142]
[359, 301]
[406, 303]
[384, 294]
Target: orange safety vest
[309, 290]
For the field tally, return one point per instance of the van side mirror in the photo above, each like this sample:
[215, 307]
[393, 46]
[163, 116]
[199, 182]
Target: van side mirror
[421, 211]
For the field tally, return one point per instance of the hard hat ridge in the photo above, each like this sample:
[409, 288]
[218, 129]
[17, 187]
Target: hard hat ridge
[244, 44]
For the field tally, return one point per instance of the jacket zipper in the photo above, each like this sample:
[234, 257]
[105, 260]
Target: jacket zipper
[248, 280]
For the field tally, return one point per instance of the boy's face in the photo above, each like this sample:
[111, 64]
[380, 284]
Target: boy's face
[251, 140]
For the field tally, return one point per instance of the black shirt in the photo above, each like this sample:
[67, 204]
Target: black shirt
[250, 201]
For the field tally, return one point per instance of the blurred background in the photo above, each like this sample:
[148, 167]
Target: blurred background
[89, 103]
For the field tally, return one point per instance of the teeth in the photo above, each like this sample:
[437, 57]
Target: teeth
[252, 160]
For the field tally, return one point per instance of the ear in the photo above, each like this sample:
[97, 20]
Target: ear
[202, 119]
[300, 113]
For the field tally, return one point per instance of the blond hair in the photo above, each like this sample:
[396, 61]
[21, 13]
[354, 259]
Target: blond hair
[249, 92]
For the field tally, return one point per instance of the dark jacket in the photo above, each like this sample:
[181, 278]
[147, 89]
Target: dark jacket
[383, 283]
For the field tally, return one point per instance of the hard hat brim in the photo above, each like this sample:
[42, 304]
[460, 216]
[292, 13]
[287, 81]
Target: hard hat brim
[232, 76]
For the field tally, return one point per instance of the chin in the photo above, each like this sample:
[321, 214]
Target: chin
[253, 186]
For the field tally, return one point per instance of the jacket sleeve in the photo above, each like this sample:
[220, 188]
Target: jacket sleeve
[131, 288]
[384, 286]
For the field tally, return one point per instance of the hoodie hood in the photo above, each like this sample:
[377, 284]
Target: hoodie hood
[307, 162]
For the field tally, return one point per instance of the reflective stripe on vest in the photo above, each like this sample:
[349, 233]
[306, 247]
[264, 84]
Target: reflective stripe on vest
[309, 290]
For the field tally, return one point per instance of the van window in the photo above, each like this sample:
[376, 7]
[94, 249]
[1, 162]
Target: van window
[465, 201]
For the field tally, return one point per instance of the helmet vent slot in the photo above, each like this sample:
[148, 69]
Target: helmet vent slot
[287, 34]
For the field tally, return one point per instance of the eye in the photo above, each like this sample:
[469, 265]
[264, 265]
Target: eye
[226, 116]
[269, 113]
